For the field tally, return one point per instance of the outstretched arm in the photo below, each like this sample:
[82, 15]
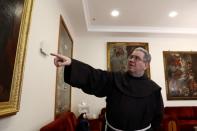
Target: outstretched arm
[81, 75]
[61, 60]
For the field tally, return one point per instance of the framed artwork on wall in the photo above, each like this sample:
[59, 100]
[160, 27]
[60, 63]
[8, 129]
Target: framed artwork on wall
[63, 90]
[180, 75]
[118, 52]
[14, 24]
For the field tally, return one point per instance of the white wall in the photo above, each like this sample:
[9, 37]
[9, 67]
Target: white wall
[38, 90]
[92, 50]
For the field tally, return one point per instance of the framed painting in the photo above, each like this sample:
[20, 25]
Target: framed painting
[118, 52]
[14, 24]
[63, 90]
[180, 75]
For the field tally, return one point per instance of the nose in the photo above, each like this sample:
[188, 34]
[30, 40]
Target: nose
[131, 61]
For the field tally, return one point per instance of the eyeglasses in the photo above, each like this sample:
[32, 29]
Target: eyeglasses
[135, 58]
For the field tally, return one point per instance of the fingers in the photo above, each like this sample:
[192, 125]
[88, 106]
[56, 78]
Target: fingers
[56, 61]
[58, 64]
[61, 60]
[53, 54]
[57, 55]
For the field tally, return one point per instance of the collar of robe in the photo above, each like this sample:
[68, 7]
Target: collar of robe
[135, 86]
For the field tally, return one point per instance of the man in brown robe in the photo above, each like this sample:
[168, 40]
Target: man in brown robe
[133, 101]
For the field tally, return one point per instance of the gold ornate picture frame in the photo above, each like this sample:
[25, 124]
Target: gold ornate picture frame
[14, 24]
[63, 90]
[118, 52]
[180, 75]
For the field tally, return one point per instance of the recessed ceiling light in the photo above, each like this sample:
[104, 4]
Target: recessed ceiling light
[115, 13]
[173, 14]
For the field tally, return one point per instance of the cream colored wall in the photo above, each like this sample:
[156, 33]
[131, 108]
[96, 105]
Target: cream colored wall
[38, 90]
[92, 50]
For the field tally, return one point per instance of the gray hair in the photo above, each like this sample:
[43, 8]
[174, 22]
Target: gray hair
[147, 56]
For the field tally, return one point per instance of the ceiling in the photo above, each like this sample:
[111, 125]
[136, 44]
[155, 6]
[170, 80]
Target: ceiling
[136, 16]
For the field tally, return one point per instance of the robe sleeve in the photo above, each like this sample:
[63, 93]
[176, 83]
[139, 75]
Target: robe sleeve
[159, 109]
[90, 80]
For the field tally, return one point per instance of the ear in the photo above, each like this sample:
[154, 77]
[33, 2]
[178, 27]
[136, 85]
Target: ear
[147, 65]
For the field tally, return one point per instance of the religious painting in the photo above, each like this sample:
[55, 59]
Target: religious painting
[14, 24]
[63, 90]
[118, 53]
[180, 75]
